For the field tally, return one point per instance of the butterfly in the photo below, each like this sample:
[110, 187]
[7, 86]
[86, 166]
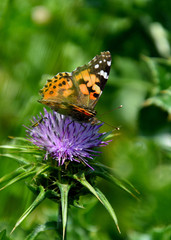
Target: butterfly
[75, 94]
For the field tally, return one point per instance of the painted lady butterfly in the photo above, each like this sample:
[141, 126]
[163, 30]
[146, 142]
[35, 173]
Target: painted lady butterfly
[75, 94]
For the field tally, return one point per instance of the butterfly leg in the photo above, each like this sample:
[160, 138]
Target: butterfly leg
[38, 122]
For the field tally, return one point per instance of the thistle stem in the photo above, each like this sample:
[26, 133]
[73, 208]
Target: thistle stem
[59, 224]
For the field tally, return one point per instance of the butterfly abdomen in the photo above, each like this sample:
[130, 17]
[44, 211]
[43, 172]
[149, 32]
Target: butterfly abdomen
[82, 114]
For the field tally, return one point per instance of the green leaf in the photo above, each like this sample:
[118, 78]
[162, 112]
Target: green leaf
[160, 70]
[28, 173]
[19, 139]
[16, 147]
[37, 201]
[13, 174]
[106, 173]
[22, 148]
[64, 189]
[19, 159]
[108, 206]
[99, 195]
[162, 100]
[42, 228]
[20, 177]
[3, 235]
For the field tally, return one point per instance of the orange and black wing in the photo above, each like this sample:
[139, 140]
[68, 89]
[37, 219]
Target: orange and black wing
[59, 92]
[90, 80]
[78, 92]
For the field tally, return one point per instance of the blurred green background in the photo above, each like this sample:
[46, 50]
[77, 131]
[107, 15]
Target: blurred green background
[41, 38]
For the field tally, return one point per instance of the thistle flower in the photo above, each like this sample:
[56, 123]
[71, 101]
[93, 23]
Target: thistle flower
[64, 139]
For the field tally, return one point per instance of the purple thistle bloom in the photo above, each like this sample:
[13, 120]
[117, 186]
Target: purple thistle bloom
[64, 139]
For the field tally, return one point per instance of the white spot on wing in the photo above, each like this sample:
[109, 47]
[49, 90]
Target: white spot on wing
[109, 63]
[101, 72]
[100, 61]
[96, 66]
[104, 74]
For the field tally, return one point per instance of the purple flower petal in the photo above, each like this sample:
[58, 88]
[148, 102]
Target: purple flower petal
[65, 139]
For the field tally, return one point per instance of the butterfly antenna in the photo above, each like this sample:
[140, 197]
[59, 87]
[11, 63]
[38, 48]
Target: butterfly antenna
[115, 128]
[111, 110]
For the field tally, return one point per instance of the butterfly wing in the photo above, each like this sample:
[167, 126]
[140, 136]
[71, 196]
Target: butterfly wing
[59, 92]
[79, 90]
[90, 79]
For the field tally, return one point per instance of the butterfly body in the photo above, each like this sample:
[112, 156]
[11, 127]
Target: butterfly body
[75, 94]
[79, 113]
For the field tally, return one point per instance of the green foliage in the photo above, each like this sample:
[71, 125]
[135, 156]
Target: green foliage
[3, 235]
[45, 37]
[63, 184]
